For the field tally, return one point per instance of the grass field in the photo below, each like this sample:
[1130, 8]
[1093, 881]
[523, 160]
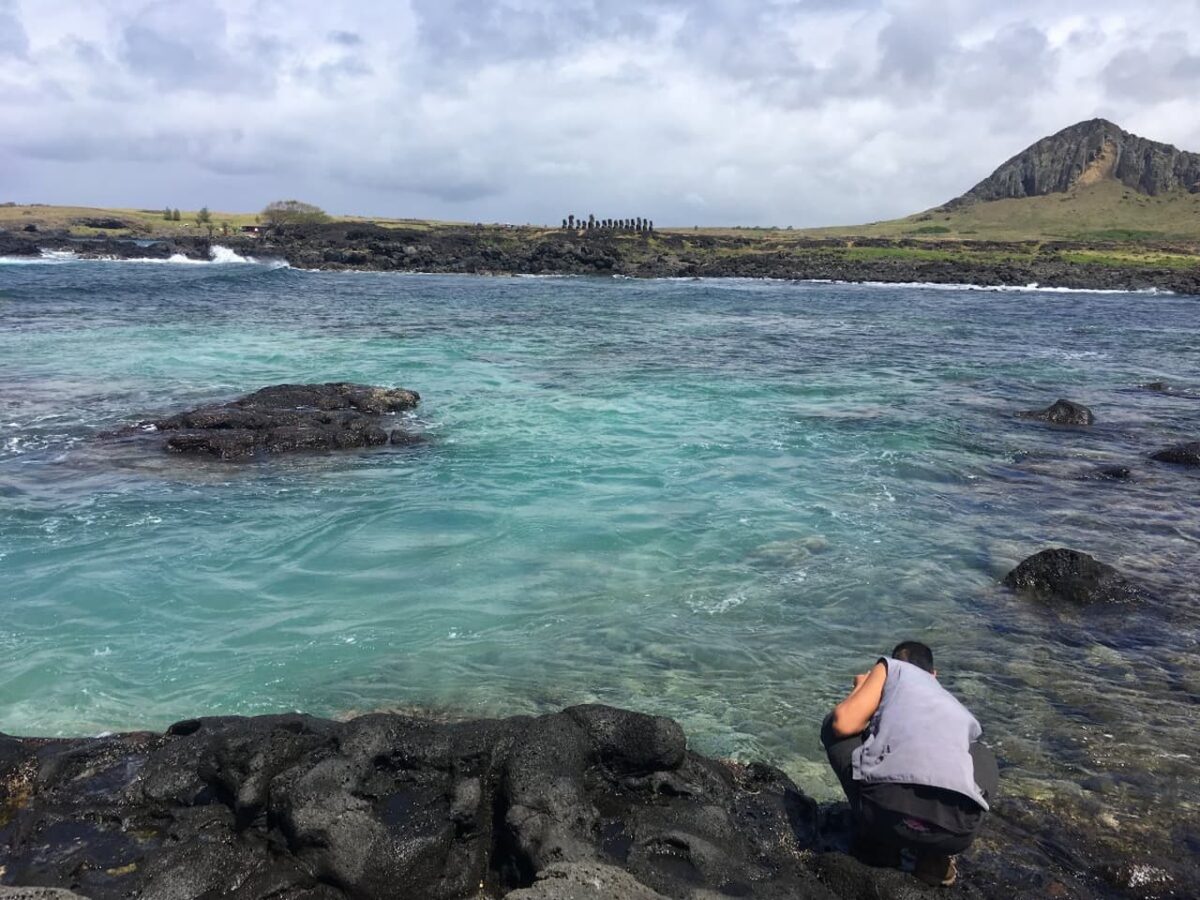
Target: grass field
[151, 221]
[1105, 211]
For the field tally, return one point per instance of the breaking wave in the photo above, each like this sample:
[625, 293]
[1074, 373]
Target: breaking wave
[218, 255]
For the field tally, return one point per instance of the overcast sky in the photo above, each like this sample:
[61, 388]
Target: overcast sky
[708, 112]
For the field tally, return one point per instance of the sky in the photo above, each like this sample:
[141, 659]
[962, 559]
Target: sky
[713, 112]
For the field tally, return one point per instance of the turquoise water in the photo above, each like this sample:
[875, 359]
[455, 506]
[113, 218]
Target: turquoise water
[715, 500]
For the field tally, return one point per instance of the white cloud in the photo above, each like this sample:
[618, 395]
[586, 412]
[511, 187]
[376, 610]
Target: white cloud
[716, 111]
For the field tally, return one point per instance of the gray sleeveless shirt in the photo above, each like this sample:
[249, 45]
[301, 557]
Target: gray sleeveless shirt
[919, 735]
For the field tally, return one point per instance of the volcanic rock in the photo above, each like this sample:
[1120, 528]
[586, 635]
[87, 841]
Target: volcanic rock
[592, 802]
[290, 417]
[1181, 454]
[1112, 473]
[1085, 153]
[394, 806]
[1061, 412]
[1060, 574]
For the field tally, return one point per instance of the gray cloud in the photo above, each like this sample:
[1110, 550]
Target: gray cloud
[712, 111]
[13, 39]
[1165, 69]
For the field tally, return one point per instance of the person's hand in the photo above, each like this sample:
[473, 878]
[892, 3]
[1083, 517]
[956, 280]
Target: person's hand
[859, 679]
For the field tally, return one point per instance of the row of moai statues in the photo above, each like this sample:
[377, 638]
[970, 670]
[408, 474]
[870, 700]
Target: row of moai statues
[636, 225]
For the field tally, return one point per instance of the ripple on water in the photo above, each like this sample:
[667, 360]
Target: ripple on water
[713, 500]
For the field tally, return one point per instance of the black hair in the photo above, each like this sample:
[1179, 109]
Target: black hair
[914, 652]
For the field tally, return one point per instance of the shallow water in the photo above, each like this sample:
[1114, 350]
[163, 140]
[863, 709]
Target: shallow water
[715, 500]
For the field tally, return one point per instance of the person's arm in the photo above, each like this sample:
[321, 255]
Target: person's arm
[853, 714]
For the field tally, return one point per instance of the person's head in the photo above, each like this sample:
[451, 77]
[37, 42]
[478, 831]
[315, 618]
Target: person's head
[916, 653]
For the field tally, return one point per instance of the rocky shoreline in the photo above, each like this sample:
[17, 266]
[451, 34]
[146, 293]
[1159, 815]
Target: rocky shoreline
[592, 801]
[528, 251]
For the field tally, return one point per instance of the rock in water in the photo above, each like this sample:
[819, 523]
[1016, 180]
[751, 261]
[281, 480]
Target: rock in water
[1113, 473]
[1061, 412]
[1181, 454]
[285, 418]
[1073, 577]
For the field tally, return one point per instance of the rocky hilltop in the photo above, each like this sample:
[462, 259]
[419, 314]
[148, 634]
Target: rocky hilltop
[1086, 153]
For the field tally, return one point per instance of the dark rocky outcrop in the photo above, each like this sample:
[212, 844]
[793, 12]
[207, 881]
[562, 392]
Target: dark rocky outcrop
[1111, 473]
[1181, 454]
[290, 417]
[102, 222]
[1085, 152]
[1069, 576]
[1061, 412]
[592, 802]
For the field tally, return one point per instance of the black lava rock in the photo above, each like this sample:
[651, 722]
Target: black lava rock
[591, 803]
[289, 417]
[1061, 412]
[1181, 454]
[1111, 473]
[1060, 574]
[393, 806]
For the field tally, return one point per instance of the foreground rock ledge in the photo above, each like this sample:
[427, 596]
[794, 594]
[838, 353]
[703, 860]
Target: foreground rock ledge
[289, 417]
[589, 802]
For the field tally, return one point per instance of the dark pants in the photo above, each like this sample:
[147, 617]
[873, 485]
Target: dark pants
[893, 829]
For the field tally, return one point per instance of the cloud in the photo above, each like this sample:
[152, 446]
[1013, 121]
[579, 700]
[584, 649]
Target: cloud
[713, 111]
[13, 40]
[1166, 69]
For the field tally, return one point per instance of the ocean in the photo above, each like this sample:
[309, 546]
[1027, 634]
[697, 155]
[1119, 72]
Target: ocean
[715, 500]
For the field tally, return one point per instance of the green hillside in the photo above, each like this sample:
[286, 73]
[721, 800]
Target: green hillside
[1105, 211]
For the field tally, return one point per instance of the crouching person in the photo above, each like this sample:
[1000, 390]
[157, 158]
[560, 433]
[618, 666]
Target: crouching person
[909, 759]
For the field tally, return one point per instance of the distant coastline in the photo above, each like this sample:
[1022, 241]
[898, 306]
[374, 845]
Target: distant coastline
[507, 250]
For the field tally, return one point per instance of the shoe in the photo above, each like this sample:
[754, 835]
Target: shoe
[937, 870]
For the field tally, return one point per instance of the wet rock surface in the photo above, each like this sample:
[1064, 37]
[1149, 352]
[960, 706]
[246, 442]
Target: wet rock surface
[286, 418]
[1070, 576]
[1061, 412]
[1181, 454]
[1110, 473]
[590, 802]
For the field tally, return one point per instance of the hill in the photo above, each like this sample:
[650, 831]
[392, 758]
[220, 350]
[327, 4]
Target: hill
[1085, 154]
[1092, 181]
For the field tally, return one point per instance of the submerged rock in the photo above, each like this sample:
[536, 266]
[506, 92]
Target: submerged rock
[285, 418]
[1060, 574]
[1061, 412]
[1181, 454]
[1111, 473]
